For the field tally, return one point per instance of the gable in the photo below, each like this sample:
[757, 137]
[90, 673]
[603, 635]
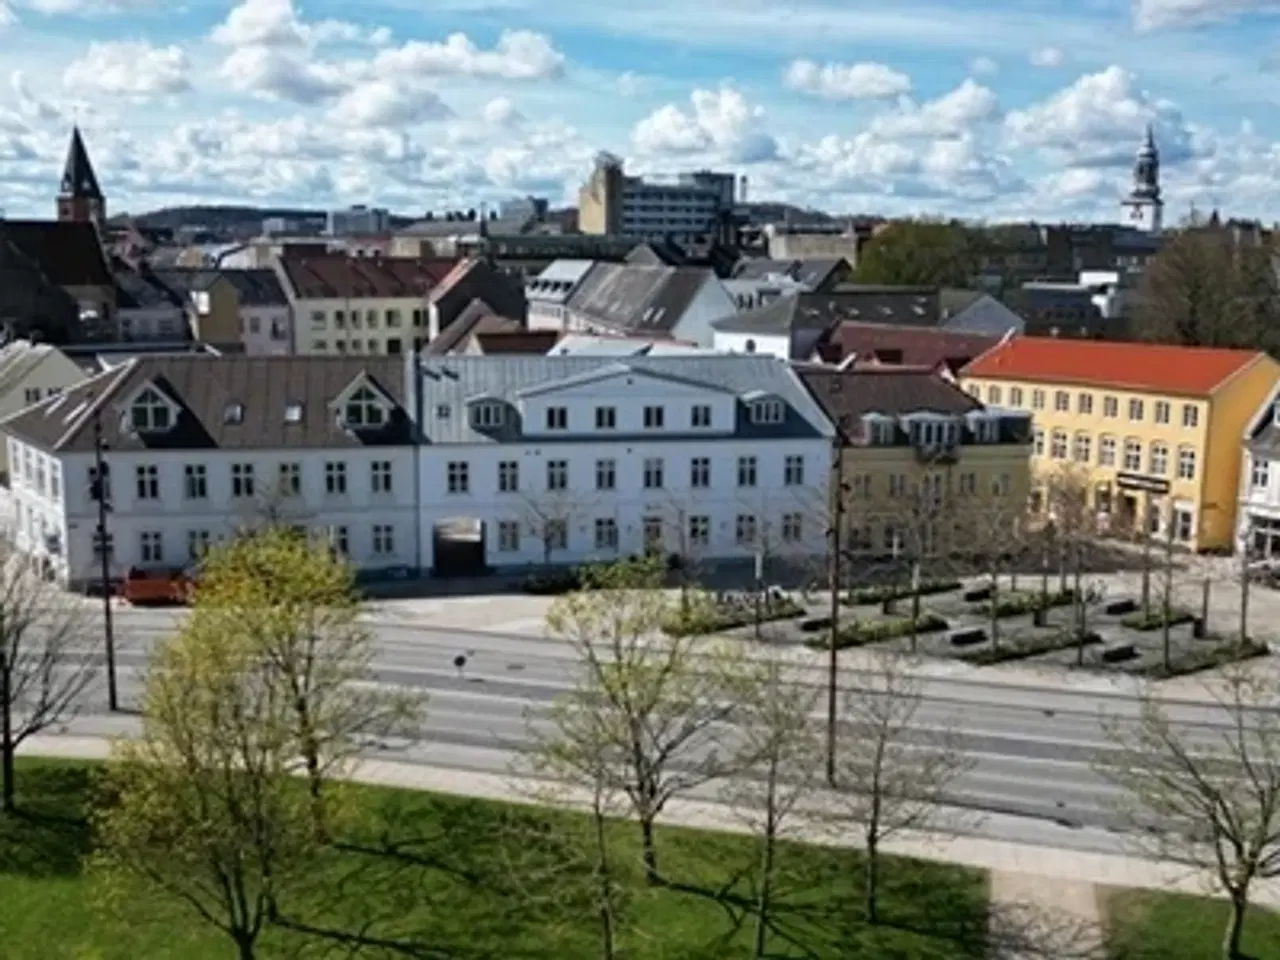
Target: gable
[619, 376]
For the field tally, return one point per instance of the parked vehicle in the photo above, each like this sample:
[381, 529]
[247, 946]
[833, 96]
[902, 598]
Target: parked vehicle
[143, 587]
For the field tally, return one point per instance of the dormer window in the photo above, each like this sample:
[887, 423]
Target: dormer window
[364, 409]
[151, 413]
[487, 415]
[768, 411]
[880, 431]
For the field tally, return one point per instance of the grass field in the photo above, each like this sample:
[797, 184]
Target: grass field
[1155, 926]
[449, 877]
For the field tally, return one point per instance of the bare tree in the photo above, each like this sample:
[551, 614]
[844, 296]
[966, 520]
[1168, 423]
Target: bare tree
[645, 703]
[892, 776]
[781, 757]
[549, 517]
[46, 660]
[1209, 801]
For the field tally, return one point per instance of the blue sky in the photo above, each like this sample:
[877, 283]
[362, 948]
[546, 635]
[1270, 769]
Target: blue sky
[1013, 108]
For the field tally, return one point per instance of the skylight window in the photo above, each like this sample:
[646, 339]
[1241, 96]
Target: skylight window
[233, 414]
[293, 413]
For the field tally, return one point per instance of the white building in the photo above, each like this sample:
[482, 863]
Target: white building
[573, 459]
[197, 447]
[1259, 510]
[29, 372]
[266, 316]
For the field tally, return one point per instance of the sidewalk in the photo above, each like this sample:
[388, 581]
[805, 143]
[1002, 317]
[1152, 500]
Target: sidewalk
[1059, 870]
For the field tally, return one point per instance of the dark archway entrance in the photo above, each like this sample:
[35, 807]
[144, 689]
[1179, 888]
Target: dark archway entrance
[458, 548]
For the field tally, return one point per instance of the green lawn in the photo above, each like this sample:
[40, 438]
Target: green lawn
[1154, 926]
[471, 880]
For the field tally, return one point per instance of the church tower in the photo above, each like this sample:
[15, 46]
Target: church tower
[79, 197]
[1144, 207]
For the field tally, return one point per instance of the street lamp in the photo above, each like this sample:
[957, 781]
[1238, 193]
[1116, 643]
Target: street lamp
[99, 488]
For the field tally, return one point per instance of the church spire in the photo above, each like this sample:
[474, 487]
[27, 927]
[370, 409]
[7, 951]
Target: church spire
[1144, 204]
[79, 196]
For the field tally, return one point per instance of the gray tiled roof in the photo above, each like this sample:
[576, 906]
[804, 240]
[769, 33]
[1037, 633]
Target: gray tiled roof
[203, 387]
[257, 288]
[905, 306]
[811, 272]
[451, 382]
[638, 298]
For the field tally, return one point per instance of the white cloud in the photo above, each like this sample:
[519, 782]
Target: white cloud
[281, 75]
[951, 114]
[983, 67]
[1098, 120]
[84, 7]
[838, 81]
[7, 17]
[128, 69]
[628, 84]
[1047, 57]
[501, 112]
[277, 23]
[1171, 14]
[382, 103]
[718, 121]
[518, 55]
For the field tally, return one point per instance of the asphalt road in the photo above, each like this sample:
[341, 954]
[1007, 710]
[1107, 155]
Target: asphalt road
[1032, 749]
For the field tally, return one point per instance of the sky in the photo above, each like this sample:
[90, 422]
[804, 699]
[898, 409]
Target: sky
[1006, 109]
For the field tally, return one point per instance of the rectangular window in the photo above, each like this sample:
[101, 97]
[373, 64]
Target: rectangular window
[508, 536]
[606, 474]
[1260, 475]
[653, 473]
[1186, 463]
[1015, 396]
[151, 546]
[1084, 403]
[339, 541]
[768, 411]
[700, 415]
[148, 483]
[290, 479]
[1184, 524]
[793, 471]
[699, 531]
[55, 482]
[1058, 445]
[335, 479]
[458, 477]
[968, 484]
[746, 471]
[606, 533]
[555, 535]
[1158, 460]
[384, 540]
[197, 543]
[1107, 451]
[993, 394]
[1136, 410]
[1037, 442]
[606, 418]
[862, 486]
[557, 418]
[557, 474]
[1037, 399]
[242, 486]
[487, 416]
[1061, 401]
[654, 418]
[792, 527]
[1132, 454]
[196, 481]
[1082, 451]
[1190, 415]
[700, 473]
[380, 476]
[897, 485]
[744, 530]
[1161, 411]
[508, 476]
[1110, 407]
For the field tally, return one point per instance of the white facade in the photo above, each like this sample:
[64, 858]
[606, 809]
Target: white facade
[29, 373]
[167, 506]
[162, 322]
[769, 344]
[1258, 528]
[365, 325]
[266, 330]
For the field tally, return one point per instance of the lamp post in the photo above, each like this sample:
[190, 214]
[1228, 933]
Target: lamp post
[101, 484]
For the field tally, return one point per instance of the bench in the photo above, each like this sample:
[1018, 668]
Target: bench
[1119, 608]
[968, 637]
[1119, 652]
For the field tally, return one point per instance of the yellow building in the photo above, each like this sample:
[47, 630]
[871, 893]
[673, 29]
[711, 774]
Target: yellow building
[926, 470]
[1153, 430]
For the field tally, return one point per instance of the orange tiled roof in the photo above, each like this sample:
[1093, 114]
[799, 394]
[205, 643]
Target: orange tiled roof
[1150, 367]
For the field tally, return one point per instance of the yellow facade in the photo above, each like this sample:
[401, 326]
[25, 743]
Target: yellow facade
[1148, 460]
[899, 501]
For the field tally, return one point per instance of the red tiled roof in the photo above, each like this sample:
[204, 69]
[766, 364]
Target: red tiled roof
[329, 276]
[906, 346]
[455, 276]
[1153, 367]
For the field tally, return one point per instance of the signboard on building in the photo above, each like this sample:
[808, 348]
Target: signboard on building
[1138, 481]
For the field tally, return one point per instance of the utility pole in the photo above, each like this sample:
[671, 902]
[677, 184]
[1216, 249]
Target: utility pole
[837, 570]
[1167, 600]
[101, 484]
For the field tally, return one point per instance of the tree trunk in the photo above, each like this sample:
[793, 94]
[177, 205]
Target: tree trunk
[245, 948]
[995, 606]
[604, 877]
[6, 734]
[1232, 939]
[871, 879]
[764, 902]
[650, 852]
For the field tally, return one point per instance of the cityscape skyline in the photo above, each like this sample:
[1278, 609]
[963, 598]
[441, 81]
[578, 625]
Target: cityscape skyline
[842, 107]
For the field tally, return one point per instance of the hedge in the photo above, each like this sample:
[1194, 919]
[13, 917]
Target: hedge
[552, 584]
[1155, 619]
[877, 631]
[1024, 603]
[729, 618]
[1022, 649]
[863, 596]
[1195, 659]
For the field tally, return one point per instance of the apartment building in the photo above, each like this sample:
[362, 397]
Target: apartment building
[360, 305]
[1258, 527]
[197, 447]
[1152, 430]
[926, 469]
[694, 205]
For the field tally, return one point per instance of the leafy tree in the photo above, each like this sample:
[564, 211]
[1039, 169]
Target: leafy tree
[925, 253]
[297, 603]
[45, 666]
[641, 720]
[202, 808]
[1209, 288]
